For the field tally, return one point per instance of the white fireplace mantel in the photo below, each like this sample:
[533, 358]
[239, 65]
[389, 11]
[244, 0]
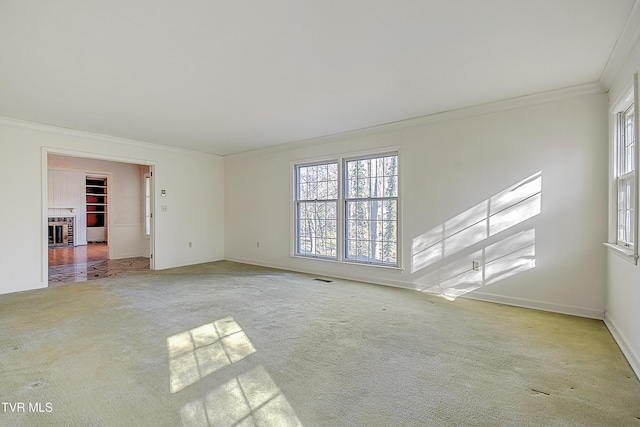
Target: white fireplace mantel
[70, 208]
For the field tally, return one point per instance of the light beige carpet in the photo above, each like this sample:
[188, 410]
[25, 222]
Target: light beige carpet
[230, 344]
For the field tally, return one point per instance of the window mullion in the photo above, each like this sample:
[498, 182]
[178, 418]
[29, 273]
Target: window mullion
[619, 143]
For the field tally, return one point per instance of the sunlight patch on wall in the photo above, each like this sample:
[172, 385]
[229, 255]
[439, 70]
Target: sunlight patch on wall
[498, 261]
[515, 204]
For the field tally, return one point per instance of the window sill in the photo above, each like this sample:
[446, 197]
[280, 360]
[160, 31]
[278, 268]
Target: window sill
[369, 264]
[623, 252]
[348, 262]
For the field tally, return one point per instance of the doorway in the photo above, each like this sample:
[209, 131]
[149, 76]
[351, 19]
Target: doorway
[106, 205]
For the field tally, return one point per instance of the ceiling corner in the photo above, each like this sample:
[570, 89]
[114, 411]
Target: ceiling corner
[627, 40]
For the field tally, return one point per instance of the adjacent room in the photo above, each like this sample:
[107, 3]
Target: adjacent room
[365, 213]
[84, 241]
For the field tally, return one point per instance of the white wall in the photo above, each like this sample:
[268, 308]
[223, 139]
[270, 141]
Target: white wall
[623, 277]
[193, 181]
[446, 168]
[125, 202]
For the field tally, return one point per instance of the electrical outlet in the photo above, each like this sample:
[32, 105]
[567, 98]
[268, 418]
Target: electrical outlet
[163, 208]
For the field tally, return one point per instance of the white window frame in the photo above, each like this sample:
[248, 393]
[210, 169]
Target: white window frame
[298, 201]
[341, 208]
[346, 200]
[620, 176]
[625, 179]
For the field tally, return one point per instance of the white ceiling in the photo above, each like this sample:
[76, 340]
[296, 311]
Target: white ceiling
[230, 76]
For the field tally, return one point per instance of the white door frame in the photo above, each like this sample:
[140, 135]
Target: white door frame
[44, 223]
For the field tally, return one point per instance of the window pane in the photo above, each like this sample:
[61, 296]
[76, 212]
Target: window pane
[390, 209]
[391, 176]
[363, 188]
[350, 170]
[332, 209]
[377, 177]
[323, 190]
[317, 182]
[333, 171]
[376, 210]
[626, 206]
[316, 225]
[377, 186]
[352, 188]
[303, 191]
[362, 210]
[362, 251]
[362, 168]
[323, 172]
[371, 231]
[302, 174]
[628, 143]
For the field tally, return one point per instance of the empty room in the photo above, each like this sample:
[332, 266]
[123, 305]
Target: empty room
[360, 213]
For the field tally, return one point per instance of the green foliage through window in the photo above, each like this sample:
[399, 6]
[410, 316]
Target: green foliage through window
[371, 210]
[367, 222]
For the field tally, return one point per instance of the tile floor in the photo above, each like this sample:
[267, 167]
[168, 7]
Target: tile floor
[82, 263]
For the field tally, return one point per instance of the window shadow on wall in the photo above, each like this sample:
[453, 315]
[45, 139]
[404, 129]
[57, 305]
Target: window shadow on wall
[462, 254]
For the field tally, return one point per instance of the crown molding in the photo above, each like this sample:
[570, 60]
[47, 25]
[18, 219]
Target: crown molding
[8, 121]
[478, 110]
[627, 40]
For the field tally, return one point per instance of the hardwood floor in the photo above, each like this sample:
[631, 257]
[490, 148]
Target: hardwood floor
[82, 263]
[78, 254]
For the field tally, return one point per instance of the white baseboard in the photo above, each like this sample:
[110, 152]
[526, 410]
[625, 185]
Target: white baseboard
[127, 255]
[623, 343]
[319, 272]
[517, 302]
[260, 264]
[538, 305]
[195, 262]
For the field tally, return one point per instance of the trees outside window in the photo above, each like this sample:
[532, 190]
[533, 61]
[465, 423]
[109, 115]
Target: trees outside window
[317, 210]
[371, 210]
[353, 201]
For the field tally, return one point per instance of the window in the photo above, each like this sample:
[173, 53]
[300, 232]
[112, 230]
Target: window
[625, 177]
[147, 204]
[347, 209]
[317, 210]
[371, 210]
